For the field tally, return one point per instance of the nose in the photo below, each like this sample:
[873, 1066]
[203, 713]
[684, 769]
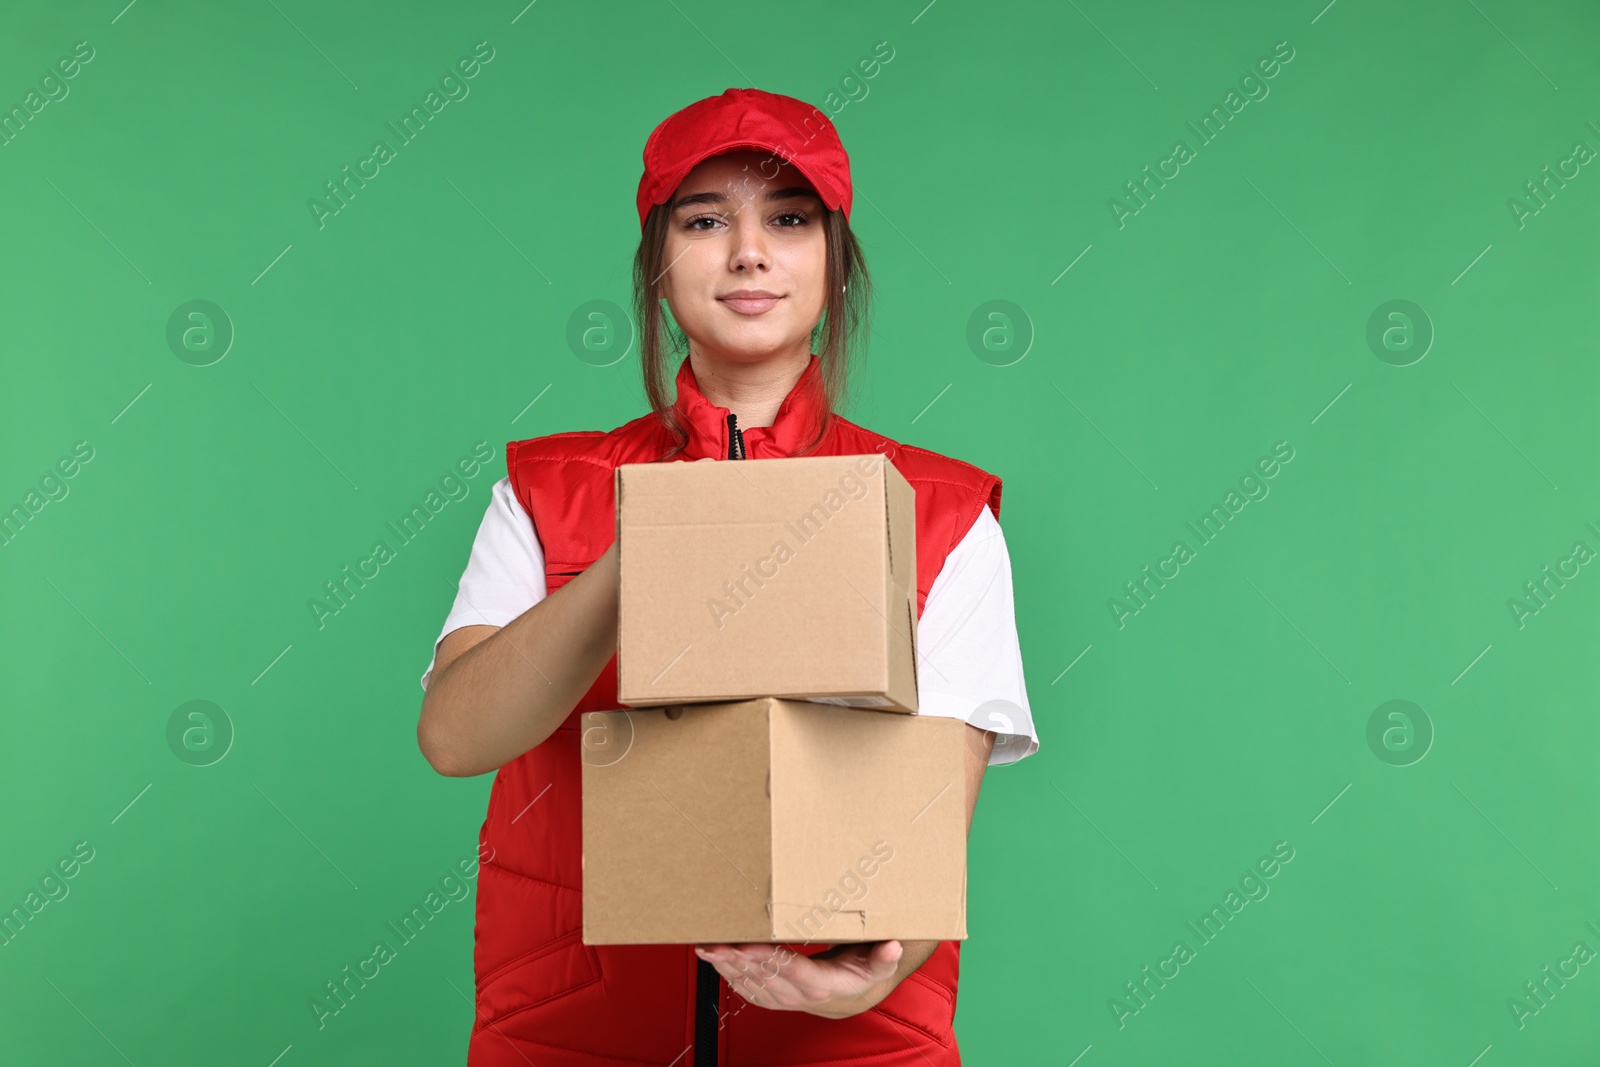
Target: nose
[749, 252]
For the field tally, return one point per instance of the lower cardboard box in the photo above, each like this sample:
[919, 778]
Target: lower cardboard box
[772, 820]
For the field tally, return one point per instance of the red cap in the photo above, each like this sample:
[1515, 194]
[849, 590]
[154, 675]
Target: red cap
[745, 118]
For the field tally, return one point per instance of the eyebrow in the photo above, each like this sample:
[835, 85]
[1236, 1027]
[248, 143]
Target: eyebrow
[718, 198]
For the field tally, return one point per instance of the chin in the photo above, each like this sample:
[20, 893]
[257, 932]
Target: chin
[755, 340]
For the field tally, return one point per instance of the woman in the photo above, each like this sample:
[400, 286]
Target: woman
[744, 208]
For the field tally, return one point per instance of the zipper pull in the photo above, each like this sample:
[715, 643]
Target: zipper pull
[735, 438]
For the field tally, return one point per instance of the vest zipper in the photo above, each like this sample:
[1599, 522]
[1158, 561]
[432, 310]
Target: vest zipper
[708, 983]
[707, 1013]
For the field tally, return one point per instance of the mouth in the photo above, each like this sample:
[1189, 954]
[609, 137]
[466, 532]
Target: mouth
[750, 301]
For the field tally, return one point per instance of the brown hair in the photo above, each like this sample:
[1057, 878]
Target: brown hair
[840, 329]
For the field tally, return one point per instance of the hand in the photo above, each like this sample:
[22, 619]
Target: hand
[838, 982]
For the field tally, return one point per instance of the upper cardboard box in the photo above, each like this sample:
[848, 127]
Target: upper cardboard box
[791, 578]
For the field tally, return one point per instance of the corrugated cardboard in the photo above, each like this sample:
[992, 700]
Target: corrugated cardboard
[773, 821]
[793, 577]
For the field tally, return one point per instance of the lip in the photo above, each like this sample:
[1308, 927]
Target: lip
[750, 301]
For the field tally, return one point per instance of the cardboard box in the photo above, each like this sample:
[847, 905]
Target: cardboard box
[794, 578]
[772, 821]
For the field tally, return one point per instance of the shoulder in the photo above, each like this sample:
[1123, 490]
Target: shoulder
[930, 473]
[602, 449]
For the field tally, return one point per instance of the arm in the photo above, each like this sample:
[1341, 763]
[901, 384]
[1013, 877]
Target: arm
[497, 692]
[862, 974]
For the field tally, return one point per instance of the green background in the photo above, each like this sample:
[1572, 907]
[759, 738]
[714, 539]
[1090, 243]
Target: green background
[1231, 312]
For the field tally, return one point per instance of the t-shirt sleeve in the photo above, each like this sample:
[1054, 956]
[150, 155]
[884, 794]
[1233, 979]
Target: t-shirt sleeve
[969, 662]
[505, 572]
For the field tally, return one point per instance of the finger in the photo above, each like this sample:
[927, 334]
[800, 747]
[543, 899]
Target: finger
[716, 953]
[883, 960]
[730, 963]
[720, 951]
[756, 953]
[740, 981]
[761, 973]
[757, 963]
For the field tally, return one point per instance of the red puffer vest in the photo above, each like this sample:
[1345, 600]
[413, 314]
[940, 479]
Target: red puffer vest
[546, 998]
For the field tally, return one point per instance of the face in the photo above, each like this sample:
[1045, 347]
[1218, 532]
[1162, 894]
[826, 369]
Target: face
[737, 226]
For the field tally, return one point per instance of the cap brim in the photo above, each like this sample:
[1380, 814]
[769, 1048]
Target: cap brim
[734, 146]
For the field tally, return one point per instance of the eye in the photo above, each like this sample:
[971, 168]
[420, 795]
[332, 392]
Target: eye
[692, 223]
[800, 215]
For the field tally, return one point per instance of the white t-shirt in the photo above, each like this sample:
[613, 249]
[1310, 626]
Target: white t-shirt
[969, 663]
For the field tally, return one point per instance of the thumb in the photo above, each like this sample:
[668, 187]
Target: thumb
[887, 953]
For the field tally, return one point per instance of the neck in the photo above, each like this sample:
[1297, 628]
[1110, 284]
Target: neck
[752, 390]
